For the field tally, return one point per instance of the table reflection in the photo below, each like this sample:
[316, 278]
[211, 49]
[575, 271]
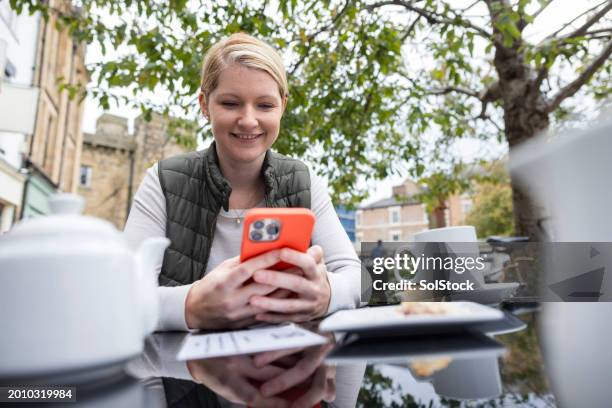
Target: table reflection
[499, 364]
[282, 378]
[495, 366]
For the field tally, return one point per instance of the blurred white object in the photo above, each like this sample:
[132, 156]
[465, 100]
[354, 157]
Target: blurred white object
[569, 176]
[464, 233]
[72, 294]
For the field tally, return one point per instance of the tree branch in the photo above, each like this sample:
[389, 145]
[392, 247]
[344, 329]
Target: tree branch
[542, 74]
[430, 16]
[451, 89]
[411, 28]
[537, 13]
[584, 28]
[313, 35]
[572, 20]
[471, 5]
[333, 22]
[589, 33]
[573, 87]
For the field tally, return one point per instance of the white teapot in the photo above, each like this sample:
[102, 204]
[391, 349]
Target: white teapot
[72, 294]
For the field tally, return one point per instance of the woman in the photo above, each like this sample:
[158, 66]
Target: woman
[199, 199]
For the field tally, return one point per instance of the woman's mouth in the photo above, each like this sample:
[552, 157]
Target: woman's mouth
[246, 136]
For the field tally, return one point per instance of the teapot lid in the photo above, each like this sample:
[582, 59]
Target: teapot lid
[65, 219]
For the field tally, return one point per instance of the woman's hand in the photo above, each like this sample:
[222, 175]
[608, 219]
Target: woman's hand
[232, 378]
[307, 280]
[299, 369]
[220, 300]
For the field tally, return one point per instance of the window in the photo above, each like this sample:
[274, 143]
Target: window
[85, 179]
[467, 205]
[395, 235]
[425, 215]
[394, 215]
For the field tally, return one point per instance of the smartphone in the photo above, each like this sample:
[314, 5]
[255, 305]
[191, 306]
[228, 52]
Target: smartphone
[266, 229]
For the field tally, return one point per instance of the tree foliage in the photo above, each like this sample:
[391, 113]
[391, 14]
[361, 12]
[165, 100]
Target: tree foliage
[439, 186]
[369, 80]
[492, 210]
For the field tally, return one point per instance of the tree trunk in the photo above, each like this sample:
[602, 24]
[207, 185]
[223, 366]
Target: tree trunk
[525, 116]
[438, 216]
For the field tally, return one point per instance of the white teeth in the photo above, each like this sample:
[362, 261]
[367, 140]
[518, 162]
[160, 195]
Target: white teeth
[246, 136]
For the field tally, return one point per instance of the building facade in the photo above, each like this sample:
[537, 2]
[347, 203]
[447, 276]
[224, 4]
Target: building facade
[54, 149]
[40, 126]
[114, 162]
[18, 44]
[400, 216]
[392, 219]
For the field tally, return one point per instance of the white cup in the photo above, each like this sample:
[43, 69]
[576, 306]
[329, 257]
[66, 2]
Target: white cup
[466, 244]
[464, 233]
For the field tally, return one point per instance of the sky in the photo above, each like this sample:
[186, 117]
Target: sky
[553, 17]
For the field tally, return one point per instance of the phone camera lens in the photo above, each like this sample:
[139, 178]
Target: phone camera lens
[272, 229]
[256, 236]
[258, 224]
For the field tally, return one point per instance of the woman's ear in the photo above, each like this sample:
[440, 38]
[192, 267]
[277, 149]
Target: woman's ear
[284, 104]
[203, 107]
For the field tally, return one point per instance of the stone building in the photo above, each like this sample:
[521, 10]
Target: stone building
[392, 219]
[40, 126]
[114, 162]
[55, 146]
[400, 216]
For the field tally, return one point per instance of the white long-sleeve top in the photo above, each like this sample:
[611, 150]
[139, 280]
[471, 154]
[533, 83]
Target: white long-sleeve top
[147, 218]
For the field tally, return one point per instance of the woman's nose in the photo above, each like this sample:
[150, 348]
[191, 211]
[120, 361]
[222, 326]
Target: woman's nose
[248, 119]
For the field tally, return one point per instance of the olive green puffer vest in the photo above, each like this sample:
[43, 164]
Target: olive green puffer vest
[195, 190]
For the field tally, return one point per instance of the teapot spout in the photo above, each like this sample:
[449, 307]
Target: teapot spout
[150, 254]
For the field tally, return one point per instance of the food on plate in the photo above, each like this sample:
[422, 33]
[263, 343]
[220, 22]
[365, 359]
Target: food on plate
[425, 368]
[431, 308]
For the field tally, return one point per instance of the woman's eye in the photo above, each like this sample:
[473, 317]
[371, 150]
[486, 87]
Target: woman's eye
[266, 106]
[228, 103]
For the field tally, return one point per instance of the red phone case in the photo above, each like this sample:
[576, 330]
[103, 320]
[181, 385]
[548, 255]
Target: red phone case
[295, 230]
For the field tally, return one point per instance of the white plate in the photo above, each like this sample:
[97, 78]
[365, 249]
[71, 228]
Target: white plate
[384, 319]
[488, 294]
[400, 351]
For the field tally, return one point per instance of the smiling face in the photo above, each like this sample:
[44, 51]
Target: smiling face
[244, 110]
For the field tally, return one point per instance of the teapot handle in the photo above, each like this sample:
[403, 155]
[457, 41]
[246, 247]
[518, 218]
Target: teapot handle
[150, 254]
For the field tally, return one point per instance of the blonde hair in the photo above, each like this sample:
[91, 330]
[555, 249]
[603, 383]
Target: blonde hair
[241, 48]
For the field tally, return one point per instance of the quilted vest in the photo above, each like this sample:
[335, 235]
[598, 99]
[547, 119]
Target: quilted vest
[195, 191]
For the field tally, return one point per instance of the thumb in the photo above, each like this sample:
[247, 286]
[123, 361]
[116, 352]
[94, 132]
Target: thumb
[316, 252]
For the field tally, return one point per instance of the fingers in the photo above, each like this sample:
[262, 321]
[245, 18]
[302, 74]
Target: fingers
[261, 373]
[316, 252]
[243, 294]
[318, 391]
[283, 280]
[280, 294]
[249, 395]
[241, 315]
[297, 374]
[241, 272]
[288, 306]
[268, 357]
[305, 262]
